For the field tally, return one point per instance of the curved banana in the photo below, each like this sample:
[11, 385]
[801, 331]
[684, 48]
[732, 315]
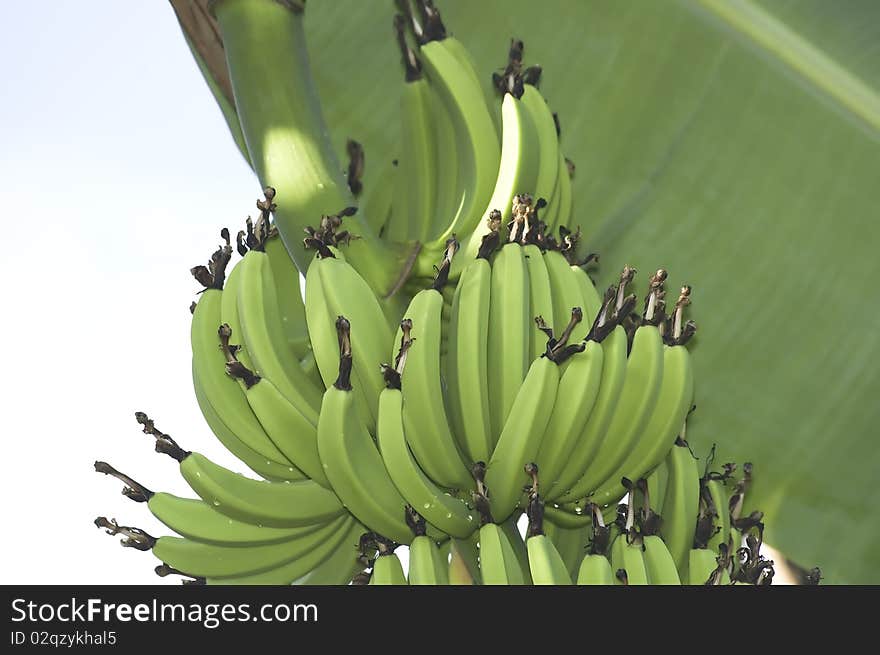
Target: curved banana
[717, 492]
[540, 297]
[659, 563]
[576, 396]
[210, 560]
[424, 415]
[467, 386]
[446, 512]
[414, 184]
[464, 567]
[277, 504]
[545, 563]
[229, 313]
[671, 409]
[199, 521]
[263, 332]
[288, 428]
[291, 309]
[333, 289]
[563, 200]
[509, 334]
[478, 149]
[387, 570]
[510, 527]
[376, 199]
[591, 301]
[498, 561]
[595, 570]
[352, 462]
[521, 437]
[701, 564]
[221, 392]
[570, 543]
[681, 503]
[566, 293]
[548, 142]
[569, 484]
[427, 566]
[294, 570]
[266, 468]
[341, 565]
[638, 396]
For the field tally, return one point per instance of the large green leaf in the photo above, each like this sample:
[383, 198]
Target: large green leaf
[737, 145]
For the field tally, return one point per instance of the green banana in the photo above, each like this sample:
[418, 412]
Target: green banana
[291, 432]
[563, 200]
[268, 469]
[510, 527]
[548, 142]
[672, 406]
[638, 396]
[229, 313]
[595, 570]
[499, 564]
[579, 387]
[424, 415]
[277, 504]
[295, 569]
[570, 543]
[518, 172]
[540, 296]
[291, 308]
[341, 565]
[509, 336]
[681, 503]
[199, 521]
[545, 563]
[718, 494]
[351, 460]
[213, 561]
[569, 484]
[427, 564]
[565, 291]
[387, 570]
[701, 563]
[659, 563]
[263, 332]
[446, 512]
[219, 391]
[591, 301]
[478, 150]
[414, 185]
[334, 288]
[466, 368]
[521, 437]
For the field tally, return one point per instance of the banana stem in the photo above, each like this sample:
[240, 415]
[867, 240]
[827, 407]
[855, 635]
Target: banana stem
[287, 140]
[133, 537]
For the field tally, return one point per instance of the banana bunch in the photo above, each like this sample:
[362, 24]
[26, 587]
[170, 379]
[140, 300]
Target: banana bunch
[369, 428]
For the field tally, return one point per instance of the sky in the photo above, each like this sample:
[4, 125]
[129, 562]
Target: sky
[116, 174]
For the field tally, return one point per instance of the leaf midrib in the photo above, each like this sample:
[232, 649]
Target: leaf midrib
[804, 59]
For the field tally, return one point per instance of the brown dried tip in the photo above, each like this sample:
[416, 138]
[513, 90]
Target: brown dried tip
[356, 164]
[133, 537]
[443, 270]
[343, 333]
[411, 65]
[535, 514]
[133, 490]
[164, 443]
[415, 521]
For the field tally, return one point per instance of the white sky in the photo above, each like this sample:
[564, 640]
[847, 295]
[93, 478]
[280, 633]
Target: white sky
[116, 174]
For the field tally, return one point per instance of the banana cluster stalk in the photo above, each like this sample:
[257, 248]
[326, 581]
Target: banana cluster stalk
[371, 421]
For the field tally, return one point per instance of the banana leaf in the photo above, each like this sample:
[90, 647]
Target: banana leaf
[737, 144]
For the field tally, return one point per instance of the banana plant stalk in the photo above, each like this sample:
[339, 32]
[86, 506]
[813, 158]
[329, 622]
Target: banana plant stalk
[288, 143]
